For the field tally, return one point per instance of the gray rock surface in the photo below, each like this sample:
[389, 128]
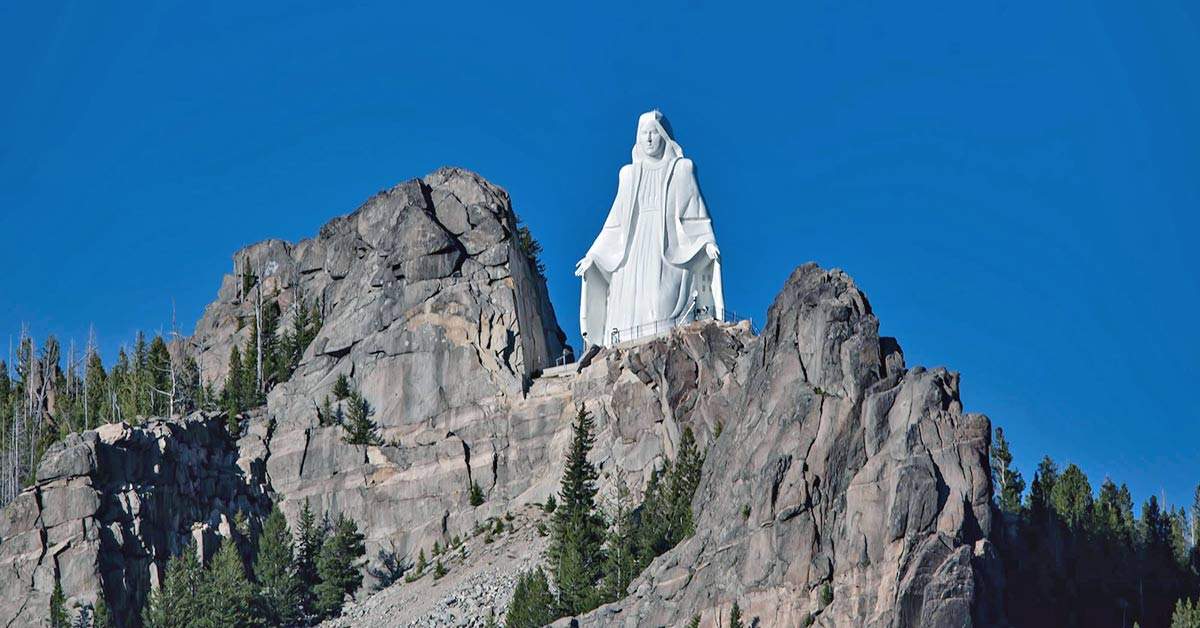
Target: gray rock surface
[111, 505]
[843, 470]
[837, 465]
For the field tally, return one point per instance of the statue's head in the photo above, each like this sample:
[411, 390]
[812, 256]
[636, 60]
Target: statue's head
[654, 140]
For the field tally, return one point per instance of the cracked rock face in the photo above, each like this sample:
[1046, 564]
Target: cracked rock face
[836, 466]
[844, 470]
[425, 280]
[111, 505]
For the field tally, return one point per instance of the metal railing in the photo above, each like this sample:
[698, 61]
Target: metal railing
[617, 336]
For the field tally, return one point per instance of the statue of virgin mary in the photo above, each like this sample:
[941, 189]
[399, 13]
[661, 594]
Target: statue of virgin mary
[655, 263]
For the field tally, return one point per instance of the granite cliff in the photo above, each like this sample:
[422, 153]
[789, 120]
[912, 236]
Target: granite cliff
[838, 470]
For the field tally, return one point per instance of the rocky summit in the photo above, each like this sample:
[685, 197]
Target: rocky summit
[840, 487]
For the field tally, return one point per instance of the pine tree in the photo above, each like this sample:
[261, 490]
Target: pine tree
[1007, 483]
[532, 603]
[141, 375]
[735, 616]
[652, 527]
[576, 548]
[177, 601]
[682, 487]
[252, 389]
[123, 385]
[1071, 496]
[666, 512]
[341, 387]
[58, 608]
[158, 374]
[1187, 614]
[96, 384]
[337, 567]
[310, 536]
[278, 587]
[234, 387]
[1180, 545]
[476, 494]
[622, 563]
[360, 429]
[101, 616]
[226, 596]
[275, 359]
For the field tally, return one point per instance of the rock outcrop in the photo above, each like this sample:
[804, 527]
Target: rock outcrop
[851, 491]
[837, 466]
[111, 505]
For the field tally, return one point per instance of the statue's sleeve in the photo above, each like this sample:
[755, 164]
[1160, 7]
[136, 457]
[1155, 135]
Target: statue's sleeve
[608, 251]
[691, 226]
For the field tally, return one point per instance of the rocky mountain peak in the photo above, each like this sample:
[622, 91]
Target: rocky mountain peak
[844, 488]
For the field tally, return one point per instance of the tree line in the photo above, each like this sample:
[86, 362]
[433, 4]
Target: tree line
[47, 393]
[1075, 556]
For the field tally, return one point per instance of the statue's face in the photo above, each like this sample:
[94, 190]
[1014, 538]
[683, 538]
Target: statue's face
[651, 140]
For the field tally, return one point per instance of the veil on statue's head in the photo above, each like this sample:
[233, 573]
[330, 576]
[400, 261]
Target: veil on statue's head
[656, 118]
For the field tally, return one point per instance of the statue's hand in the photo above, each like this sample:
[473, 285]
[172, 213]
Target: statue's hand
[582, 266]
[712, 251]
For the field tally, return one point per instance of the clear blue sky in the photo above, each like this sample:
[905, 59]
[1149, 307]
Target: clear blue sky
[1014, 185]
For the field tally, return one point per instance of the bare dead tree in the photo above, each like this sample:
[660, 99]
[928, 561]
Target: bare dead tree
[258, 306]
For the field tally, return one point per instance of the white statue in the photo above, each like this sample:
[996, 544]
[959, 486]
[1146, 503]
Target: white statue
[655, 263]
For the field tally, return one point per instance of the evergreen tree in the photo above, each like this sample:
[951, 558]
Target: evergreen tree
[652, 530]
[735, 616]
[341, 387]
[360, 428]
[122, 384]
[310, 536]
[532, 248]
[141, 375]
[1071, 496]
[1180, 544]
[58, 608]
[278, 587]
[227, 599]
[96, 383]
[275, 360]
[622, 562]
[337, 567]
[476, 494]
[682, 486]
[667, 509]
[1007, 483]
[158, 377]
[576, 548]
[177, 601]
[1187, 614]
[532, 603]
[234, 387]
[101, 616]
[1110, 521]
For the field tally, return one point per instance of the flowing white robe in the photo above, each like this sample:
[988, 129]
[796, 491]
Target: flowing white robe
[649, 269]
